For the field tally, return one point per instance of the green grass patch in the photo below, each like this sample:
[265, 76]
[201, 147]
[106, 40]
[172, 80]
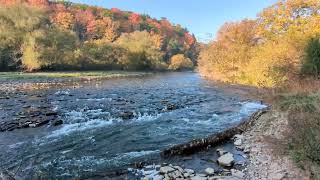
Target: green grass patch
[304, 102]
[73, 74]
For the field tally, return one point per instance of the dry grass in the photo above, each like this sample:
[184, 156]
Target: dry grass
[305, 140]
[302, 100]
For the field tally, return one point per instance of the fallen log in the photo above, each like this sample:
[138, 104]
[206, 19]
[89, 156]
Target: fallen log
[215, 139]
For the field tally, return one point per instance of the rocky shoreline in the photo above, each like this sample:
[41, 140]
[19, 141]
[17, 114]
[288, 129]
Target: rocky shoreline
[229, 168]
[258, 142]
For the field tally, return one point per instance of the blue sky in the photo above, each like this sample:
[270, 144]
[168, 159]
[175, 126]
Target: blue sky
[201, 17]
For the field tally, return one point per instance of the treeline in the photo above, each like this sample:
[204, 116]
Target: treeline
[43, 35]
[280, 45]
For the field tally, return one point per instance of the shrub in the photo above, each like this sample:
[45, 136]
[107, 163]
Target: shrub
[180, 62]
[311, 64]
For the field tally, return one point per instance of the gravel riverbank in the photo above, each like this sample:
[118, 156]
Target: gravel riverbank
[266, 143]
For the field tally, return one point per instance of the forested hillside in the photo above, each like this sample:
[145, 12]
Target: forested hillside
[277, 47]
[47, 35]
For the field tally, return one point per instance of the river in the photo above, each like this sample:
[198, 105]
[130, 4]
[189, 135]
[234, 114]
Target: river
[110, 124]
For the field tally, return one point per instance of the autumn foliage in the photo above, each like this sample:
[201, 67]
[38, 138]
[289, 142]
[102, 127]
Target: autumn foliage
[180, 62]
[64, 30]
[268, 51]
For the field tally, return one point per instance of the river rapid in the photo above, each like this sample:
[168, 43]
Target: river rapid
[110, 124]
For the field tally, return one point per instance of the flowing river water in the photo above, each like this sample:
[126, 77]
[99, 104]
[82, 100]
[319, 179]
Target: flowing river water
[110, 124]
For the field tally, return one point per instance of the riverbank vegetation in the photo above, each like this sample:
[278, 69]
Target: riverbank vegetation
[304, 130]
[59, 35]
[71, 74]
[279, 50]
[279, 46]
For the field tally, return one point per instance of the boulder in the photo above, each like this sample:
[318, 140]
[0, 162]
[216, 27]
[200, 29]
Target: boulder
[226, 160]
[166, 170]
[178, 168]
[209, 171]
[189, 171]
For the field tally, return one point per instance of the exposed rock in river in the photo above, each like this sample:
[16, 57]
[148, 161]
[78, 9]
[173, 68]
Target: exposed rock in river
[209, 171]
[57, 122]
[126, 115]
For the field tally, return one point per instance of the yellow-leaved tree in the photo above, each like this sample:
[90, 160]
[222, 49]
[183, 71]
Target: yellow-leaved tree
[143, 51]
[265, 52]
[180, 62]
